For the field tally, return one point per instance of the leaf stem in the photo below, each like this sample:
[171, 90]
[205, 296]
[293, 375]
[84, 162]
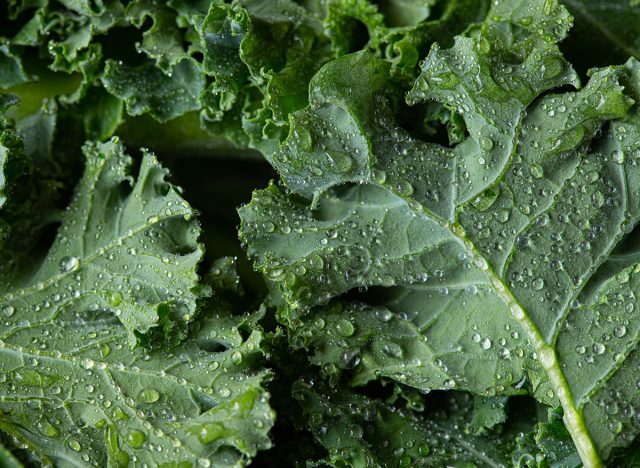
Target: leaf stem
[547, 356]
[546, 353]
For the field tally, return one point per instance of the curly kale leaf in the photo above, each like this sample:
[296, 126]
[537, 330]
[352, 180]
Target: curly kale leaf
[242, 66]
[127, 244]
[489, 259]
[74, 393]
[357, 430]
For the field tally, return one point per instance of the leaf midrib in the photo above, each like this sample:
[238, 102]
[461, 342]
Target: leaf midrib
[573, 418]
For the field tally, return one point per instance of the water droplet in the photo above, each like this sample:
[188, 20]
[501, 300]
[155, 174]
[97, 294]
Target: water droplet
[537, 284]
[74, 445]
[384, 315]
[486, 143]
[344, 328]
[8, 310]
[135, 439]
[68, 263]
[47, 429]
[392, 350]
[210, 432]
[599, 348]
[149, 395]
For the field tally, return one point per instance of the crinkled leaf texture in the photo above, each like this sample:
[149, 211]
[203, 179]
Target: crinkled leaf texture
[74, 394]
[73, 390]
[361, 431]
[243, 66]
[491, 261]
[126, 244]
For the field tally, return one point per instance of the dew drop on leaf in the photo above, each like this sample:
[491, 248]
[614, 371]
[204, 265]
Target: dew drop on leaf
[210, 432]
[135, 439]
[149, 395]
[68, 263]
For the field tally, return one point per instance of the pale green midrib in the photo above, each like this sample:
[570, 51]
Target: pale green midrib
[547, 356]
[608, 34]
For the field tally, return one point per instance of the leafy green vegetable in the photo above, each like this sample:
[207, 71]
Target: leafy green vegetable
[131, 250]
[73, 391]
[361, 431]
[444, 271]
[511, 224]
[78, 395]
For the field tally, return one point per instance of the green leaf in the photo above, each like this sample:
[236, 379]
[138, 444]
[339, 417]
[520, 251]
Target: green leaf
[11, 71]
[362, 431]
[507, 227]
[163, 40]
[73, 394]
[28, 191]
[409, 44]
[102, 114]
[145, 88]
[126, 244]
[222, 32]
[10, 149]
[7, 460]
[488, 412]
[383, 341]
[549, 445]
[353, 25]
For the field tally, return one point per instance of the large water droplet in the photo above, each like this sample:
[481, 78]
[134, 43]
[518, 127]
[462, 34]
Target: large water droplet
[149, 395]
[8, 310]
[135, 439]
[210, 432]
[68, 263]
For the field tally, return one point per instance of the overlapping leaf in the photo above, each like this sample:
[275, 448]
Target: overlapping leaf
[73, 392]
[361, 431]
[504, 230]
[244, 66]
[126, 244]
[72, 388]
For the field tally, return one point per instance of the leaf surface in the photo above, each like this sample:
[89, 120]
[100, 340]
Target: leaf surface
[126, 244]
[360, 431]
[509, 225]
[74, 393]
